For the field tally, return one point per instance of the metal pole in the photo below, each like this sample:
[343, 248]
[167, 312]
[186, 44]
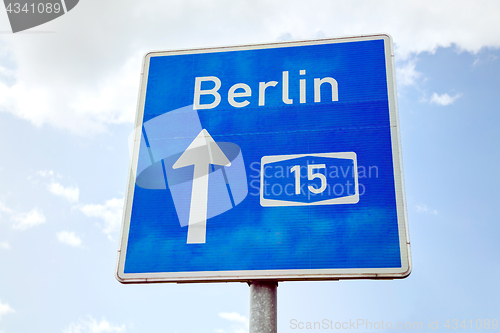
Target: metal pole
[263, 306]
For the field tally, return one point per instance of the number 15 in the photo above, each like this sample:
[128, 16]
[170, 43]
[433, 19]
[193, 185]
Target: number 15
[310, 176]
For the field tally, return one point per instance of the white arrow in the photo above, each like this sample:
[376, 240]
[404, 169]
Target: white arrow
[202, 152]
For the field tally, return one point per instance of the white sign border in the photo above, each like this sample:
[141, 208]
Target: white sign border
[278, 275]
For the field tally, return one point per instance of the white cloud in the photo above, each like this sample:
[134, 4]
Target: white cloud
[45, 173]
[4, 245]
[85, 76]
[6, 73]
[444, 99]
[82, 109]
[5, 209]
[23, 221]
[69, 193]
[425, 209]
[240, 322]
[5, 309]
[93, 326]
[480, 61]
[234, 316]
[69, 238]
[110, 212]
[407, 74]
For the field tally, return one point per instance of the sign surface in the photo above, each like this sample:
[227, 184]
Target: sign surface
[275, 161]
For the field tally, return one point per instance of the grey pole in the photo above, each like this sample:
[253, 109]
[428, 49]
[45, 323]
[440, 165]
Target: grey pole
[263, 306]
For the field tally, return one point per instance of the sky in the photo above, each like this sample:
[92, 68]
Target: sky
[68, 97]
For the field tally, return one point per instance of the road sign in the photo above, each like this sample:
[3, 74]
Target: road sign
[276, 161]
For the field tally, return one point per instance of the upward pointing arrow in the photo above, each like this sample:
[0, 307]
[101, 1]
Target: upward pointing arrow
[202, 152]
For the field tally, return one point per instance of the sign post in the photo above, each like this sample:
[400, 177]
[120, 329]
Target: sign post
[271, 162]
[263, 307]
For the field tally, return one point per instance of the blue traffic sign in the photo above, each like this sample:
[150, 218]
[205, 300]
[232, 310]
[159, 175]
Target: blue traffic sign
[275, 161]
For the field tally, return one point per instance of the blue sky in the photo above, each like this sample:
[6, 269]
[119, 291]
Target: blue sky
[68, 93]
